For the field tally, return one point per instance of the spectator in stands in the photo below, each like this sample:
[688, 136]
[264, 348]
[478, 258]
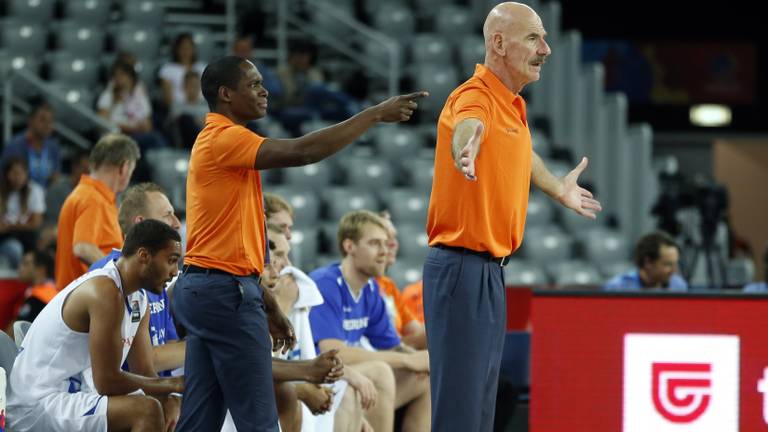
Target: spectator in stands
[760, 286]
[656, 257]
[188, 116]
[60, 189]
[410, 329]
[353, 308]
[474, 226]
[279, 213]
[83, 327]
[22, 206]
[125, 104]
[305, 95]
[37, 145]
[243, 47]
[184, 59]
[35, 270]
[88, 228]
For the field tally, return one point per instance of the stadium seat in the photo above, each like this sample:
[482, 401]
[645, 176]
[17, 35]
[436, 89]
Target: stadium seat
[140, 40]
[602, 244]
[80, 39]
[23, 37]
[74, 69]
[575, 273]
[20, 329]
[428, 8]
[414, 244]
[304, 246]
[439, 81]
[11, 61]
[147, 13]
[420, 172]
[169, 170]
[369, 173]
[454, 22]
[305, 203]
[524, 273]
[540, 210]
[88, 12]
[314, 176]
[405, 272]
[471, 52]
[547, 243]
[430, 48]
[406, 205]
[39, 11]
[72, 94]
[395, 142]
[395, 20]
[342, 200]
[739, 272]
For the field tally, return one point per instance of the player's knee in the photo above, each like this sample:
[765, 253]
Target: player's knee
[383, 377]
[285, 396]
[148, 411]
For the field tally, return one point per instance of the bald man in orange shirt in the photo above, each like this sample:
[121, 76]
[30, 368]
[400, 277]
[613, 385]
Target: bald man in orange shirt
[217, 298]
[484, 164]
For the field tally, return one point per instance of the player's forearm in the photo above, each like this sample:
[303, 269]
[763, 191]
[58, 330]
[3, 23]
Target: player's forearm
[169, 356]
[354, 355]
[303, 391]
[544, 180]
[288, 370]
[122, 383]
[87, 252]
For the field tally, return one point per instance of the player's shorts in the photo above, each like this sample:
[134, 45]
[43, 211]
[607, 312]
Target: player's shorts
[61, 412]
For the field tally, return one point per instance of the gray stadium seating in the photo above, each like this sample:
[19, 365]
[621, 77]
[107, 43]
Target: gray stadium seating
[431, 49]
[305, 203]
[142, 41]
[405, 272]
[540, 210]
[453, 22]
[80, 38]
[314, 176]
[69, 68]
[145, 12]
[420, 172]
[369, 173]
[88, 12]
[524, 273]
[571, 273]
[342, 200]
[21, 37]
[39, 11]
[471, 52]
[406, 205]
[396, 143]
[413, 241]
[547, 244]
[394, 20]
[304, 247]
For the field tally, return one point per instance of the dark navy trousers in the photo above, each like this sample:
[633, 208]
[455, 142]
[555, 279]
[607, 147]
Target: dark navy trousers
[228, 362]
[465, 314]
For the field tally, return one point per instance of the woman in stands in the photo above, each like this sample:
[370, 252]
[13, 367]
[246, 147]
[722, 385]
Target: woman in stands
[22, 206]
[172, 74]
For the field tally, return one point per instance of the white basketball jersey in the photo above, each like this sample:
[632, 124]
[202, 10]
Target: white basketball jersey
[53, 357]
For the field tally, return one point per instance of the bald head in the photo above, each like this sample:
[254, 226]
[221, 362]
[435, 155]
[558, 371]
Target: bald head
[514, 44]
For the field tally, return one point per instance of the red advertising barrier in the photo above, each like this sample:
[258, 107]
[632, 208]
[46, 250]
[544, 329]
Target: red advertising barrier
[649, 362]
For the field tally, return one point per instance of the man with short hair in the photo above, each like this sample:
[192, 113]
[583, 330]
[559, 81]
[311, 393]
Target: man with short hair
[279, 213]
[37, 145]
[36, 269]
[353, 308]
[98, 322]
[656, 257]
[88, 227]
[218, 300]
[484, 167]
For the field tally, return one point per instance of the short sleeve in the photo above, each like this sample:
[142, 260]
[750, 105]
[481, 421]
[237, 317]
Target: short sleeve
[326, 319]
[236, 147]
[473, 102]
[380, 331]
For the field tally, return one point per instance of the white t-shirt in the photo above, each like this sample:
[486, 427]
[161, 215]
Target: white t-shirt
[174, 74]
[134, 108]
[35, 205]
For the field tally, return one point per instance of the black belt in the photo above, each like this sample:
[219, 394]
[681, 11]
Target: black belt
[195, 269]
[501, 261]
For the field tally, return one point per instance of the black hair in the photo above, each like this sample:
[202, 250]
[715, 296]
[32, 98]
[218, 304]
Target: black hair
[224, 71]
[5, 185]
[181, 37]
[150, 234]
[45, 260]
[36, 105]
[648, 247]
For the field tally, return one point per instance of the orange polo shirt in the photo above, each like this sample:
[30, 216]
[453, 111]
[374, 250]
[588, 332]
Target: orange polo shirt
[488, 214]
[225, 209]
[396, 307]
[88, 215]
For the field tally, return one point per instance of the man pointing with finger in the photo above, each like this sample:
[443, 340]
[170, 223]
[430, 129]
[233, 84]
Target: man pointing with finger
[484, 165]
[229, 319]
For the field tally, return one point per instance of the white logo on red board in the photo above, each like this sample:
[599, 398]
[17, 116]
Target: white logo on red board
[680, 382]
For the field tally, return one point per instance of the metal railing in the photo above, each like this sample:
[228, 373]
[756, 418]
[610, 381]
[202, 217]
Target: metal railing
[359, 31]
[26, 78]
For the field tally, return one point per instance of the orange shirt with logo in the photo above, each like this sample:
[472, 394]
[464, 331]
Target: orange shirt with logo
[88, 215]
[396, 308]
[225, 209]
[486, 215]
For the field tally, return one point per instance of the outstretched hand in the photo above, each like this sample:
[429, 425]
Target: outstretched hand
[469, 154]
[576, 197]
[399, 108]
